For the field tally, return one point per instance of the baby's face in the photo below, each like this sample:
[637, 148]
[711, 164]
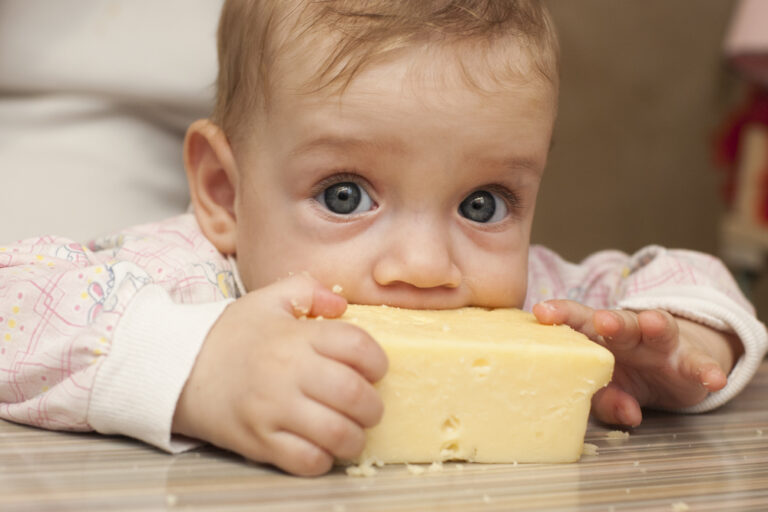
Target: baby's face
[410, 189]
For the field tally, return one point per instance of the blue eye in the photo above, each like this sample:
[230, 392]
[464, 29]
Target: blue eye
[484, 207]
[345, 198]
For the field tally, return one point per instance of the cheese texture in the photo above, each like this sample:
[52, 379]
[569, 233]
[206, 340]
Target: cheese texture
[491, 386]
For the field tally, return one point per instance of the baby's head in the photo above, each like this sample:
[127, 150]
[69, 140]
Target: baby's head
[392, 147]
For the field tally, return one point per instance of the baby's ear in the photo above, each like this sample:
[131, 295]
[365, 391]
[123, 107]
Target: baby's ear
[212, 176]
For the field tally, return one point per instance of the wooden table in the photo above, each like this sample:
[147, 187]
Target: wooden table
[716, 461]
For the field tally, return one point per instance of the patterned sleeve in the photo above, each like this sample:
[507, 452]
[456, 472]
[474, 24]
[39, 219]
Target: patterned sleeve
[103, 337]
[688, 284]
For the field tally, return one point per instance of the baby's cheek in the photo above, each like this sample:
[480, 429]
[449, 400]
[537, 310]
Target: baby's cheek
[497, 274]
[500, 290]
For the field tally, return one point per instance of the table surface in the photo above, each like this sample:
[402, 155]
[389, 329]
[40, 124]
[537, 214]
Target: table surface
[716, 461]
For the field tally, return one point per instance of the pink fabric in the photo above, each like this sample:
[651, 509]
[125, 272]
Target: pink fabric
[746, 44]
[606, 278]
[62, 303]
[748, 31]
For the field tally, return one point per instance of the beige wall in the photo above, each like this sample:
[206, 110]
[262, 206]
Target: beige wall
[642, 87]
[643, 90]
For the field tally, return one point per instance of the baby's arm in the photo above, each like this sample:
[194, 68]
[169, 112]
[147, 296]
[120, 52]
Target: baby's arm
[278, 388]
[107, 338]
[679, 325]
[103, 338]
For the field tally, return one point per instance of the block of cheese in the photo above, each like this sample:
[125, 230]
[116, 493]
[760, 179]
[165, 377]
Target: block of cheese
[473, 384]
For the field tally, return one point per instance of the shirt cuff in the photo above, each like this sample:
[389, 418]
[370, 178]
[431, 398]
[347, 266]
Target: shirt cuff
[153, 351]
[714, 309]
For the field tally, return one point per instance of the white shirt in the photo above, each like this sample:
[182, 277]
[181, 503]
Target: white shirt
[95, 97]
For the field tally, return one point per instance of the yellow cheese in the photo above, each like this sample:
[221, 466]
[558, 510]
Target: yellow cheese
[491, 386]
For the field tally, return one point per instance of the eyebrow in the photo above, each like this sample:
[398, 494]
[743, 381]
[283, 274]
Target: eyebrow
[395, 145]
[518, 164]
[515, 164]
[349, 143]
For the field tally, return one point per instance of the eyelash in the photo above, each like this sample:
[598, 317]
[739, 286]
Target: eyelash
[513, 201]
[340, 177]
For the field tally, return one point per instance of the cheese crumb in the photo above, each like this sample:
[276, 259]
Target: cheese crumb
[759, 432]
[589, 449]
[414, 470]
[617, 434]
[364, 469]
[171, 500]
[337, 289]
[299, 309]
[338, 507]
[486, 498]
[435, 467]
[680, 506]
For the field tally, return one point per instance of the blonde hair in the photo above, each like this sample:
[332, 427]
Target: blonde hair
[254, 33]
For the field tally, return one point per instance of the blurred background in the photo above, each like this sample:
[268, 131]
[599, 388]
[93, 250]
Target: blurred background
[645, 89]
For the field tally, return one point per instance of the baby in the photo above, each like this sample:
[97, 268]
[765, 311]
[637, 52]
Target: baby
[372, 152]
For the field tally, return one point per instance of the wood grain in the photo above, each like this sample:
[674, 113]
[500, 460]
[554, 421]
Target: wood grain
[709, 462]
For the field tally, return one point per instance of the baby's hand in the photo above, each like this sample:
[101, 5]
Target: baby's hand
[280, 389]
[662, 361]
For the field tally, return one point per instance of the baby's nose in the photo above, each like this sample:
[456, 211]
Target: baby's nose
[419, 255]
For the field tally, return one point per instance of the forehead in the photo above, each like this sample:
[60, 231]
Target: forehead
[487, 64]
[454, 87]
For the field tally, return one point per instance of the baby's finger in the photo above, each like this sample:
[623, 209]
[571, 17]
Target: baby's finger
[326, 428]
[614, 406]
[619, 328]
[567, 312]
[301, 295]
[713, 378]
[701, 368]
[352, 346]
[296, 455]
[659, 330]
[344, 390]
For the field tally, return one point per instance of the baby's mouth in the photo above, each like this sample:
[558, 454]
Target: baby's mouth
[403, 295]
